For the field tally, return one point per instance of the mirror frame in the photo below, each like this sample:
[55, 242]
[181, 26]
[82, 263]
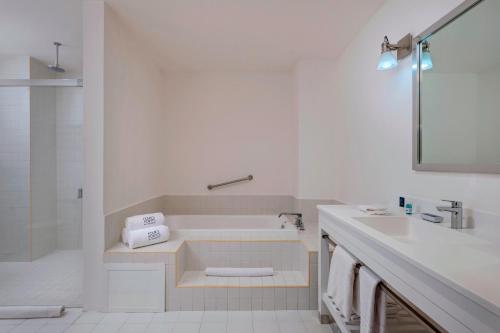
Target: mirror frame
[416, 135]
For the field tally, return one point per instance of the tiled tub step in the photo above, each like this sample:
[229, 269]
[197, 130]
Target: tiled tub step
[280, 279]
[166, 277]
[239, 298]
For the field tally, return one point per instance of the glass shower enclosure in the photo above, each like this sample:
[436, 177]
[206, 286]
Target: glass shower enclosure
[41, 178]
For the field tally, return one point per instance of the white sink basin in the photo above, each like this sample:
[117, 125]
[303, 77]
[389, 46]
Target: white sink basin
[413, 230]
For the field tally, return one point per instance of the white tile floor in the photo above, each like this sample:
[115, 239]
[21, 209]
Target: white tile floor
[56, 278]
[74, 321]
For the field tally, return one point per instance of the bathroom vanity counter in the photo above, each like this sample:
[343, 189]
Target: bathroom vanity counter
[451, 275]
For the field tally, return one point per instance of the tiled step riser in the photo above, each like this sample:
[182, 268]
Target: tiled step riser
[243, 299]
[197, 255]
[280, 279]
[281, 255]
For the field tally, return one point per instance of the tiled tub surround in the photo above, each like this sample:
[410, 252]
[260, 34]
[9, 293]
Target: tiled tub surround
[220, 231]
[218, 222]
[231, 227]
[211, 204]
[293, 287]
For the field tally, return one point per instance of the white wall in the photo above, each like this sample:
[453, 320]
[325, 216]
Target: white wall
[134, 122]
[93, 150]
[14, 66]
[317, 160]
[221, 126]
[377, 107]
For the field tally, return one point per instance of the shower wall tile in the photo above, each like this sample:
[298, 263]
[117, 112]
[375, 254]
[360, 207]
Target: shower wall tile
[43, 168]
[14, 173]
[41, 150]
[69, 121]
[197, 205]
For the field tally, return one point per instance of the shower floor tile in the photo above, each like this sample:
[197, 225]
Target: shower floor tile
[55, 279]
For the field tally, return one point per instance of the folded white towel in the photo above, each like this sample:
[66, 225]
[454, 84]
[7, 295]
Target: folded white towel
[144, 221]
[374, 210]
[147, 236]
[27, 312]
[341, 280]
[371, 208]
[239, 271]
[372, 299]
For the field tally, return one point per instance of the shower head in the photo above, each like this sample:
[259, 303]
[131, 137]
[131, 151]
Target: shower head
[55, 67]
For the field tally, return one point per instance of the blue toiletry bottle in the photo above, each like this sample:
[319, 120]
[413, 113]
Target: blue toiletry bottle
[409, 208]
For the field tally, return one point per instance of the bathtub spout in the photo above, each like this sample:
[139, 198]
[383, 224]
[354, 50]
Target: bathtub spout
[298, 219]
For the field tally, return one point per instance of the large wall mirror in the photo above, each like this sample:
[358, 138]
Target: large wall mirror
[457, 91]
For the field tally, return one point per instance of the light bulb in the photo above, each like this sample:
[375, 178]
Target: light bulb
[386, 61]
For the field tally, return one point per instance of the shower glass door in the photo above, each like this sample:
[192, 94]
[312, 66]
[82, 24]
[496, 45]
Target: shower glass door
[41, 171]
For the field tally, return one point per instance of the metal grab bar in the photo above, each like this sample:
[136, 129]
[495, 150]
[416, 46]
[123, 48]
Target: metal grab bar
[417, 313]
[248, 178]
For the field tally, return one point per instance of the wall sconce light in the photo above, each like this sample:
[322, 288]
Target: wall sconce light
[425, 58]
[387, 59]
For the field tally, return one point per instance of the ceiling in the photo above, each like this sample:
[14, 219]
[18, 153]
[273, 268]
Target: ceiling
[29, 27]
[196, 35]
[193, 35]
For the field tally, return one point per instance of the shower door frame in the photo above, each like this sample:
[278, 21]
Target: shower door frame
[41, 82]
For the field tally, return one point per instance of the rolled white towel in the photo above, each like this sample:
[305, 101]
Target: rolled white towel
[147, 236]
[239, 271]
[27, 312]
[144, 221]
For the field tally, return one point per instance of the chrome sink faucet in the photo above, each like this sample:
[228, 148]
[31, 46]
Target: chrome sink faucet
[456, 213]
[298, 219]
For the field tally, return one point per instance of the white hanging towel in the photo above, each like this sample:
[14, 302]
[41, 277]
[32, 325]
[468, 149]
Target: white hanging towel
[372, 302]
[147, 236]
[28, 312]
[144, 221]
[239, 271]
[341, 280]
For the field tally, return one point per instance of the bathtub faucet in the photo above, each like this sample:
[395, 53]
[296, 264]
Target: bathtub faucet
[298, 219]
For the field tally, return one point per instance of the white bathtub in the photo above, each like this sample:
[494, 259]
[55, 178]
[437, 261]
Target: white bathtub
[231, 227]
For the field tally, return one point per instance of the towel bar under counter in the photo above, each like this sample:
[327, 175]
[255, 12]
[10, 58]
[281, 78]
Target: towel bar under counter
[412, 319]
